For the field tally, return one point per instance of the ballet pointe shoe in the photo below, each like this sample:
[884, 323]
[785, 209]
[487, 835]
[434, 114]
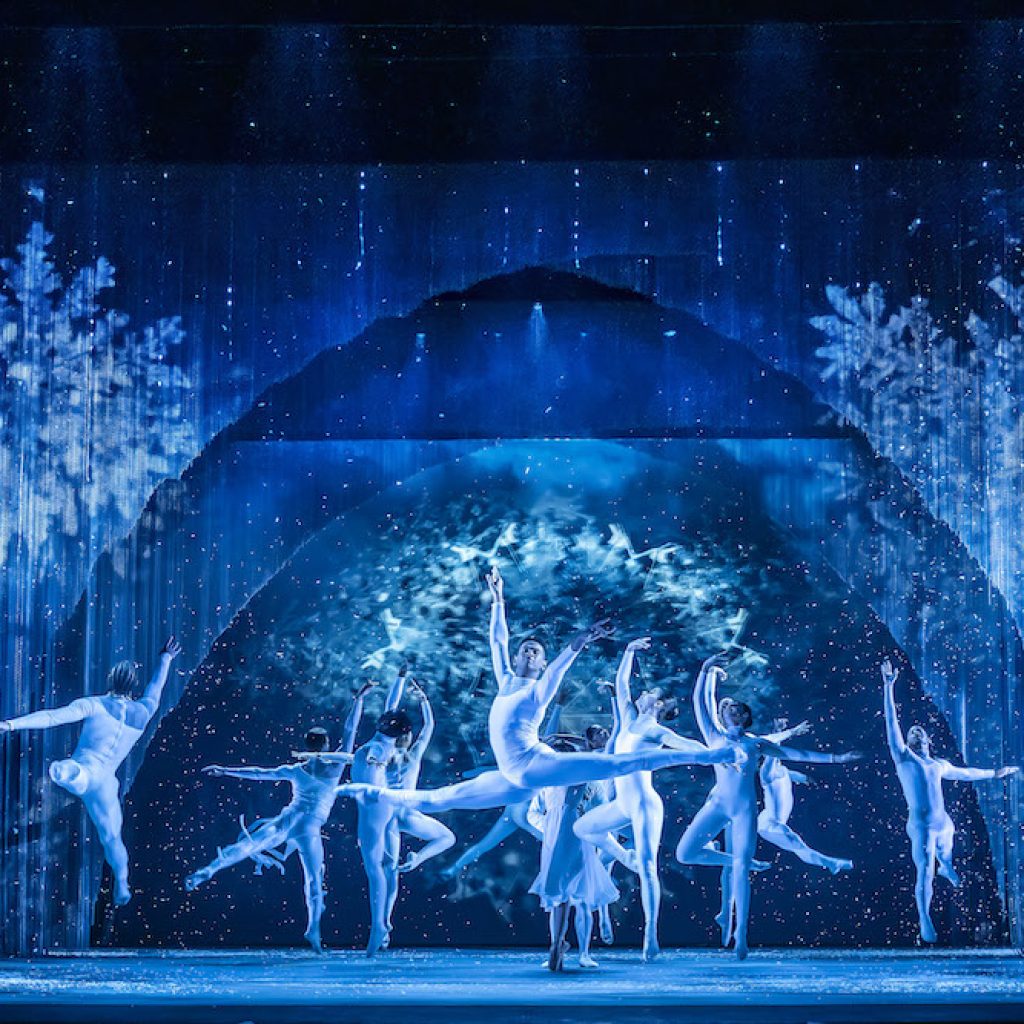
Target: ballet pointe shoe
[312, 936]
[651, 951]
[741, 950]
[556, 957]
[839, 864]
[948, 872]
[724, 922]
[928, 933]
[377, 940]
[587, 962]
[122, 895]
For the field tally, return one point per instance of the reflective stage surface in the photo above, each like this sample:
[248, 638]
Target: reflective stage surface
[507, 986]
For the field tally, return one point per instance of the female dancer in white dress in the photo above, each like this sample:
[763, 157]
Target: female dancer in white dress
[571, 876]
[112, 725]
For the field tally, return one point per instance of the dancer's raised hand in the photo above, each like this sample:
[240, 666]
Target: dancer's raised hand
[495, 584]
[889, 674]
[171, 648]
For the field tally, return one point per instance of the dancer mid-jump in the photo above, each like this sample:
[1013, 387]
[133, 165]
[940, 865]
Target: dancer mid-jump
[112, 725]
[733, 800]
[930, 828]
[526, 689]
[297, 828]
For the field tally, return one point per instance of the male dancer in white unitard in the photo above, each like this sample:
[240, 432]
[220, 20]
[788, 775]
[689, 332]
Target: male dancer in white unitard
[930, 828]
[112, 725]
[297, 828]
[636, 801]
[525, 691]
[733, 800]
[514, 816]
[777, 781]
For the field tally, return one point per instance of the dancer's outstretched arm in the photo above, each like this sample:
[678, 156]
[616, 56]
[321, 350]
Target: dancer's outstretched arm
[154, 691]
[500, 660]
[330, 757]
[260, 774]
[801, 729]
[355, 716]
[76, 711]
[966, 774]
[897, 744]
[767, 749]
[396, 691]
[551, 681]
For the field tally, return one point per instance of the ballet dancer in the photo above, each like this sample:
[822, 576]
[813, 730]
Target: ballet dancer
[777, 781]
[636, 801]
[526, 689]
[513, 816]
[314, 781]
[571, 877]
[369, 769]
[112, 725]
[930, 828]
[733, 799]
[404, 773]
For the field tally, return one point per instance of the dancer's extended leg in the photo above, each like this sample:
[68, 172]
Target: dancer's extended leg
[392, 859]
[944, 852]
[782, 836]
[103, 805]
[272, 833]
[744, 842]
[495, 836]
[372, 835]
[550, 768]
[490, 789]
[310, 847]
[648, 820]
[584, 933]
[559, 924]
[694, 846]
[519, 814]
[922, 849]
[600, 826]
[437, 837]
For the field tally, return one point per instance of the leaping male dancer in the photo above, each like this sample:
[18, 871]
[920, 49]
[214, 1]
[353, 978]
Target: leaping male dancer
[930, 828]
[526, 689]
[112, 725]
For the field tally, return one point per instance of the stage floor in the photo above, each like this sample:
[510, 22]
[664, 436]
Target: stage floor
[502, 986]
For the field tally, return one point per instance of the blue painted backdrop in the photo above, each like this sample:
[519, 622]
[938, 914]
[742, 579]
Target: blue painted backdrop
[288, 413]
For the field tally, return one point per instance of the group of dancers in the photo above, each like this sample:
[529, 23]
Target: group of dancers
[589, 799]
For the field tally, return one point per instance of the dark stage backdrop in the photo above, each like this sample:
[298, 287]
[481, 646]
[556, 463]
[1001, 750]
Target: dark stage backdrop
[311, 404]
